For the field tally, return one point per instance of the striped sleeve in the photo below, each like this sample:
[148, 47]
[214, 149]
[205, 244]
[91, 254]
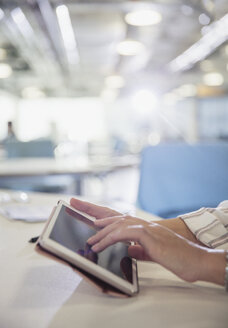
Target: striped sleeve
[209, 225]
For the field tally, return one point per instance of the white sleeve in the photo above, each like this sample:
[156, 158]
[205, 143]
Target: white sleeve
[209, 225]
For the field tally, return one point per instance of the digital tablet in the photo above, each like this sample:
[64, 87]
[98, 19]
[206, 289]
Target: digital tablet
[66, 235]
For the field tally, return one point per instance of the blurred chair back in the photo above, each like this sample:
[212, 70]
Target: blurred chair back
[34, 148]
[179, 178]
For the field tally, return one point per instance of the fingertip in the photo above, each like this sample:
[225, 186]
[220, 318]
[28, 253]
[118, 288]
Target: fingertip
[77, 203]
[98, 222]
[89, 241]
[95, 248]
[72, 201]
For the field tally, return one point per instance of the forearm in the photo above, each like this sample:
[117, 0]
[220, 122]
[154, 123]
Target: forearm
[178, 226]
[213, 262]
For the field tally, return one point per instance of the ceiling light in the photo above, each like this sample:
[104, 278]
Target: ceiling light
[114, 81]
[143, 18]
[130, 48]
[204, 19]
[216, 35]
[5, 71]
[67, 32]
[213, 79]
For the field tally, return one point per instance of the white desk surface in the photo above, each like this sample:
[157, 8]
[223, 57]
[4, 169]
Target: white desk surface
[42, 166]
[37, 292]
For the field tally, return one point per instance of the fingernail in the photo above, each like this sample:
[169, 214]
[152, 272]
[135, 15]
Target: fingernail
[94, 248]
[89, 240]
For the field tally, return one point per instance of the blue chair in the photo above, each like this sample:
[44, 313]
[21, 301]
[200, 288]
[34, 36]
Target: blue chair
[34, 148]
[178, 178]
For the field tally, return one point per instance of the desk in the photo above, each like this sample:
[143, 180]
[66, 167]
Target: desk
[37, 292]
[48, 166]
[78, 168]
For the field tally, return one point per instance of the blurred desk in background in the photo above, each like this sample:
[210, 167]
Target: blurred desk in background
[14, 172]
[41, 293]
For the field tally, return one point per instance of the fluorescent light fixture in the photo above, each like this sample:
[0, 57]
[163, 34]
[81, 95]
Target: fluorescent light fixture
[143, 18]
[67, 32]
[216, 35]
[204, 19]
[22, 23]
[114, 81]
[213, 79]
[5, 71]
[1, 14]
[130, 48]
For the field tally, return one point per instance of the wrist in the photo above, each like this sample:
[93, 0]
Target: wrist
[226, 273]
[213, 266]
[178, 226]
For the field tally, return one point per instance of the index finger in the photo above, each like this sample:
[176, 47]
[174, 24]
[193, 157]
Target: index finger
[99, 212]
[107, 221]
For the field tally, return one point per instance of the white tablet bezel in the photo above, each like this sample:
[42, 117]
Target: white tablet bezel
[92, 268]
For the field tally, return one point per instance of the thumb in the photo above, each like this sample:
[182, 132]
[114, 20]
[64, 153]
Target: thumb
[137, 252]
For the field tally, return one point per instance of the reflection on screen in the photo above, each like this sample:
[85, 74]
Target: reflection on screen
[72, 230]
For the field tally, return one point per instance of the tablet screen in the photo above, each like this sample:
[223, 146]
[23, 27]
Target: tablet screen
[72, 231]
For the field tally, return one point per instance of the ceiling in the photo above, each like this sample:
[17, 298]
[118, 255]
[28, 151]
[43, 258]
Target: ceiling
[44, 62]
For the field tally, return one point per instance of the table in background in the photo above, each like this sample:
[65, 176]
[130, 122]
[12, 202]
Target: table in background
[77, 168]
[38, 292]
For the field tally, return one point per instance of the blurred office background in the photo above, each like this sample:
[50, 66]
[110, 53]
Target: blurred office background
[96, 82]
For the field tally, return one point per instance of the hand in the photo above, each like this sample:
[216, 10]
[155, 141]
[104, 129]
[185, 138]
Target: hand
[154, 242]
[99, 212]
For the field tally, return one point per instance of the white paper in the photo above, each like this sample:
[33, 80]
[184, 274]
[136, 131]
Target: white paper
[26, 212]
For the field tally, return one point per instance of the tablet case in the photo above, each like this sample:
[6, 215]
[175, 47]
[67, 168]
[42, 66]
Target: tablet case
[101, 285]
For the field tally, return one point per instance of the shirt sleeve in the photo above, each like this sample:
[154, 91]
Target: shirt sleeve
[209, 225]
